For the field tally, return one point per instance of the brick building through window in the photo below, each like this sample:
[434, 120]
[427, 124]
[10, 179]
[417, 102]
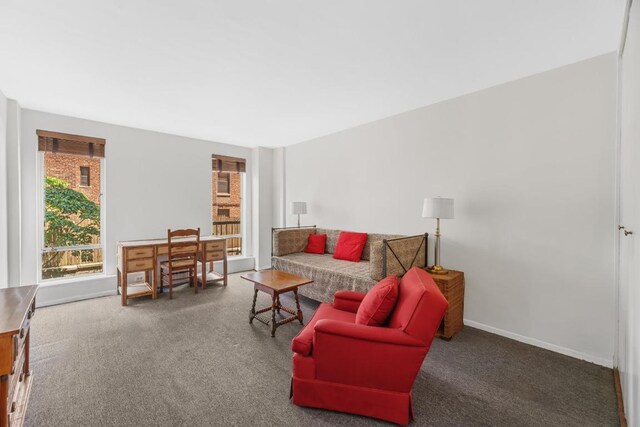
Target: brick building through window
[226, 195]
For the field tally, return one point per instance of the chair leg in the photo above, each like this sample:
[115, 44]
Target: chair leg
[204, 275]
[161, 281]
[194, 277]
[170, 283]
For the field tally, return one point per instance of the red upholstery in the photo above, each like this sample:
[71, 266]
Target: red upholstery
[362, 369]
[303, 342]
[348, 300]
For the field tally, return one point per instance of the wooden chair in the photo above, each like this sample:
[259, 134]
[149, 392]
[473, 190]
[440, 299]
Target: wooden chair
[183, 248]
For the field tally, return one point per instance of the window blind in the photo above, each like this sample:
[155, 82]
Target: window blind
[228, 164]
[64, 143]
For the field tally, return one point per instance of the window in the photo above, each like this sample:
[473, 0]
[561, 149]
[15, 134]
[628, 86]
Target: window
[84, 176]
[72, 218]
[227, 181]
[223, 183]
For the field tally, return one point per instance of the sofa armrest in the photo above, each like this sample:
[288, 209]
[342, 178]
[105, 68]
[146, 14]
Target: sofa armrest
[287, 241]
[348, 300]
[366, 356]
[397, 256]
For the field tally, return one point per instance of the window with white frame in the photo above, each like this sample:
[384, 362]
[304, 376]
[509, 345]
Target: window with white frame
[71, 232]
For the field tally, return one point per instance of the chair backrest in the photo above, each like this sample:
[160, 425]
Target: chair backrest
[420, 306]
[183, 244]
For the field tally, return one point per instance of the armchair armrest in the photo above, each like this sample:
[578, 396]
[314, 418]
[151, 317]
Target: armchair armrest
[348, 300]
[366, 356]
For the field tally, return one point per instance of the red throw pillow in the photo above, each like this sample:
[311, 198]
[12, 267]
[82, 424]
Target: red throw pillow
[350, 246]
[379, 302]
[315, 243]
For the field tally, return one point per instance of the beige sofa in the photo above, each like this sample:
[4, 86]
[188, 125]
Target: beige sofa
[383, 255]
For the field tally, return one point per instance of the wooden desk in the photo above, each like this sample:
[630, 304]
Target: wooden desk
[143, 256]
[17, 306]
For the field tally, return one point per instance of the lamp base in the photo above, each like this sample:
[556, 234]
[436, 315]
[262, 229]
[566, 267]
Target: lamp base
[437, 269]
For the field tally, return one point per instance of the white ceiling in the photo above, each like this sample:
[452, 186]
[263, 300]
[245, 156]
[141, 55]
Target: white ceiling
[273, 73]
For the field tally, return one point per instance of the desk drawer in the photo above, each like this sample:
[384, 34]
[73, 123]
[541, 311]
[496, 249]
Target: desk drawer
[137, 253]
[216, 245]
[214, 256]
[14, 378]
[23, 332]
[139, 265]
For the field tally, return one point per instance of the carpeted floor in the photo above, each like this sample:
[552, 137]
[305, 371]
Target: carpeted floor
[196, 361]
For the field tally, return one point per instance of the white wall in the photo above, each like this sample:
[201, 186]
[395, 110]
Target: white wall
[262, 217]
[628, 343]
[4, 265]
[530, 164]
[14, 223]
[154, 181]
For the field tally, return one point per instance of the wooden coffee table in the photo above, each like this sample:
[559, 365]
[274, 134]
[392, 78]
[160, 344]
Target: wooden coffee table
[275, 283]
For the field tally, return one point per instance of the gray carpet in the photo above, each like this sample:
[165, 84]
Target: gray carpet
[196, 361]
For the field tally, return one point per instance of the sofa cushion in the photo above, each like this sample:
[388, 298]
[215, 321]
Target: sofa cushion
[350, 246]
[332, 238]
[290, 240]
[315, 243]
[303, 342]
[378, 304]
[328, 274]
[373, 238]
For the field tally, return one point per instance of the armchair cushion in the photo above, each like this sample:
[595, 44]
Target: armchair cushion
[303, 342]
[378, 303]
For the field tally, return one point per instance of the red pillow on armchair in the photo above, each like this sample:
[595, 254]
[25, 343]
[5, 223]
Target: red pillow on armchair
[379, 302]
[350, 246]
[315, 243]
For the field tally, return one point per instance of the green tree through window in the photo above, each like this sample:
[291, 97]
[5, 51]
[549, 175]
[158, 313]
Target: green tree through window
[71, 219]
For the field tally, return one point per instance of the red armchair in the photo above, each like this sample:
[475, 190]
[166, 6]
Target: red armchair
[367, 370]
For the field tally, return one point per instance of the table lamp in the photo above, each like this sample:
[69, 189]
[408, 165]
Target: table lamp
[438, 208]
[299, 208]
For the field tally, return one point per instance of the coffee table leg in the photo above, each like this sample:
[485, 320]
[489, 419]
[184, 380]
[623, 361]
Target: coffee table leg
[274, 305]
[278, 306]
[295, 293]
[253, 307]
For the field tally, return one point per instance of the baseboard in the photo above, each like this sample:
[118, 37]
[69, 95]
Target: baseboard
[46, 303]
[616, 381]
[542, 344]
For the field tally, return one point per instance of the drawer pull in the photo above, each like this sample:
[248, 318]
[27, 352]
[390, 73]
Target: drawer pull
[13, 407]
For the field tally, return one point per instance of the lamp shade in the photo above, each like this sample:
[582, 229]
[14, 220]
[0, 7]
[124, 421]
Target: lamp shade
[437, 207]
[298, 208]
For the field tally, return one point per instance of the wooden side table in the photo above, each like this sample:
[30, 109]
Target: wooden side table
[275, 283]
[452, 287]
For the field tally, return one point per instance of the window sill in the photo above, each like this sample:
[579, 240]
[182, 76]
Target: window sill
[65, 280]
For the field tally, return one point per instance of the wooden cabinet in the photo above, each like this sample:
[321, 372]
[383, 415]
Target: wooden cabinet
[17, 307]
[452, 287]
